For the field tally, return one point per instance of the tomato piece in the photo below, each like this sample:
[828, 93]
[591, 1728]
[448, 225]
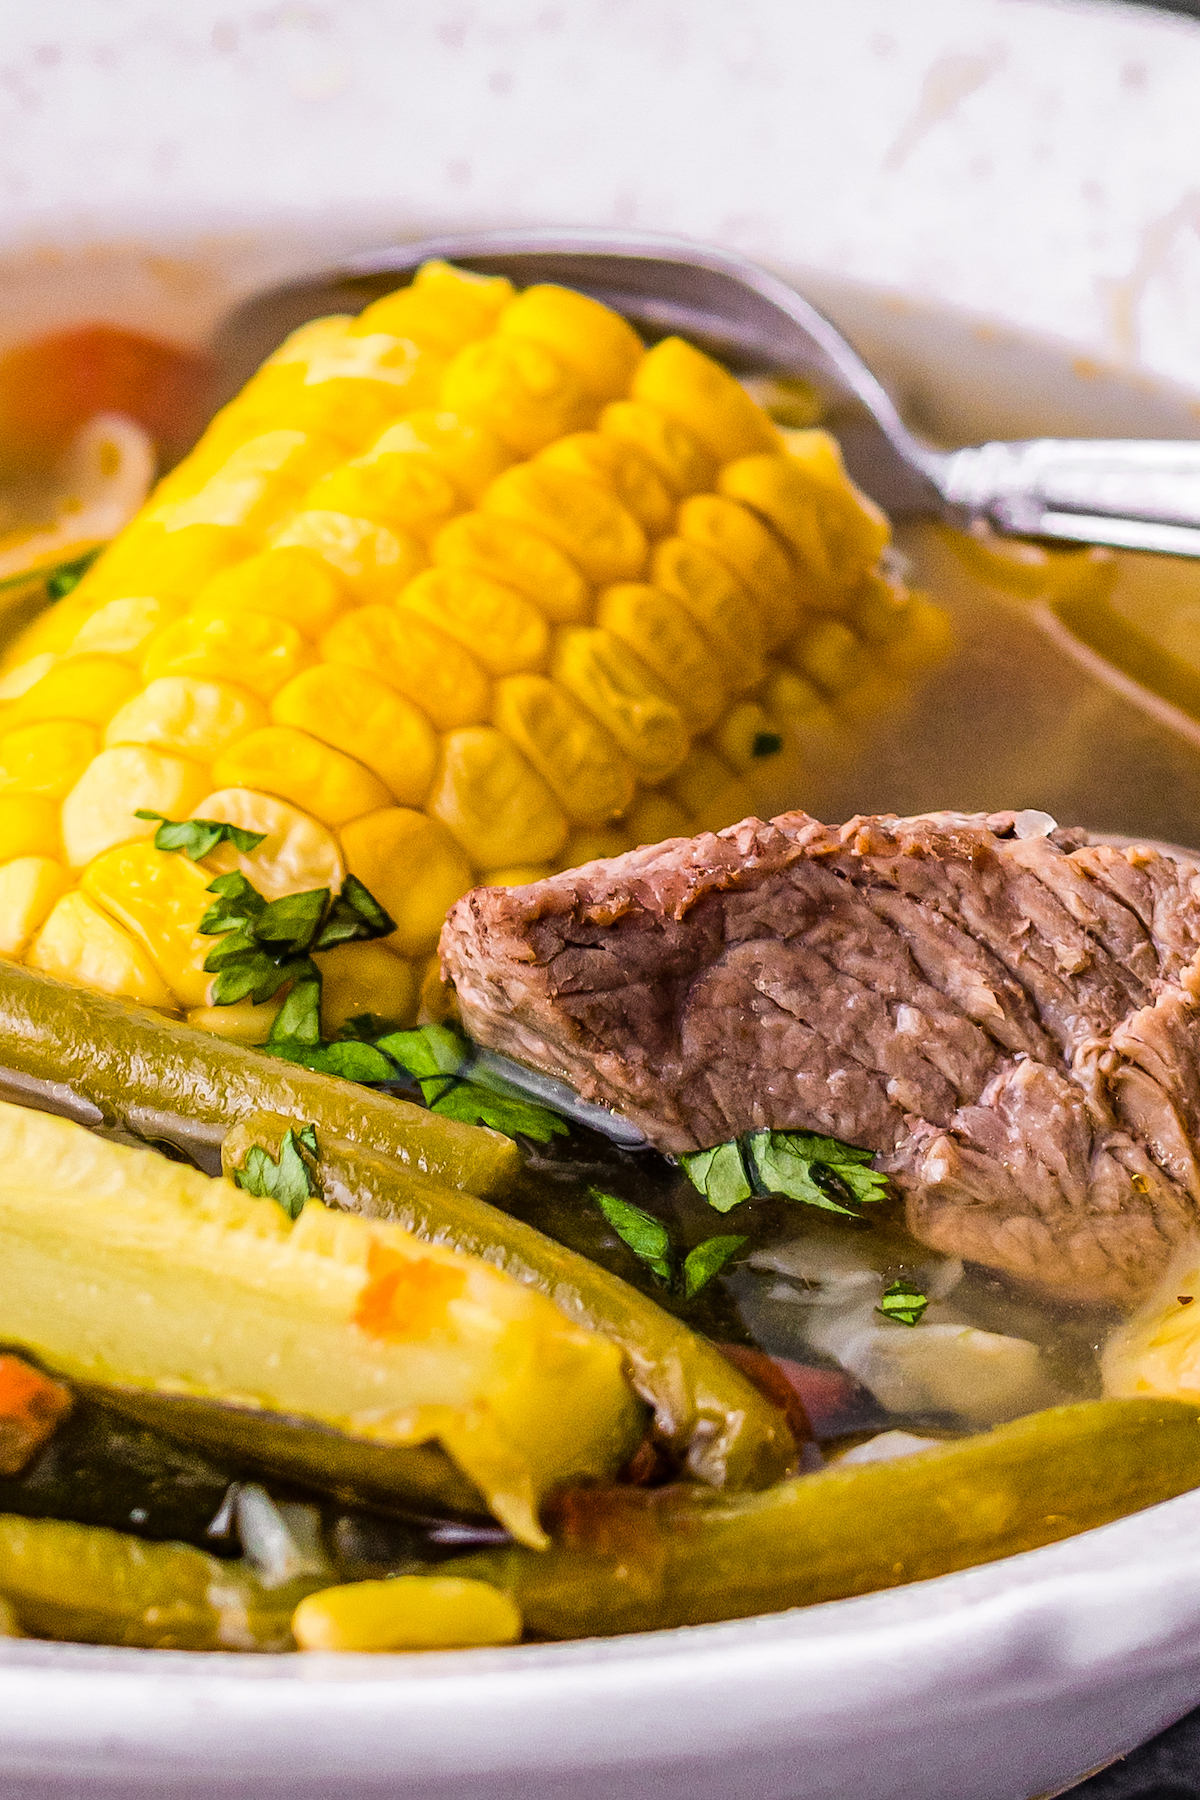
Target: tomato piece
[50, 387]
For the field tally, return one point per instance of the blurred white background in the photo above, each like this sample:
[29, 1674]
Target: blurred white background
[1033, 163]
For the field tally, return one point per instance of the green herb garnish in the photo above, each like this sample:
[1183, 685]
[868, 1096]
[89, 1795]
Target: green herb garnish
[198, 837]
[650, 1242]
[903, 1302]
[799, 1165]
[707, 1260]
[438, 1060]
[766, 743]
[288, 1179]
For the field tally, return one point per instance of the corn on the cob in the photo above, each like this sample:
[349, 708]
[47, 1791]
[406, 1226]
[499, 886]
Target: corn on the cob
[467, 588]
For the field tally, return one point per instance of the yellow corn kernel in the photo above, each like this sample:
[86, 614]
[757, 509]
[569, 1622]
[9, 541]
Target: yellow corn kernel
[29, 887]
[656, 817]
[878, 609]
[469, 454]
[504, 630]
[48, 634]
[587, 846]
[29, 826]
[791, 696]
[437, 1003]
[329, 377]
[284, 761]
[491, 800]
[149, 559]
[406, 1612]
[21, 676]
[243, 1022]
[710, 792]
[413, 867]
[179, 712]
[747, 735]
[366, 978]
[519, 558]
[289, 583]
[159, 900]
[373, 560]
[586, 522]
[690, 387]
[420, 662]
[605, 676]
[596, 343]
[46, 758]
[659, 630]
[523, 393]
[574, 755]
[124, 627]
[293, 458]
[793, 503]
[928, 635]
[99, 810]
[612, 463]
[830, 655]
[755, 556]
[443, 305]
[718, 603]
[81, 944]
[396, 489]
[296, 854]
[521, 875]
[253, 486]
[684, 463]
[358, 713]
[87, 688]
[254, 650]
[856, 530]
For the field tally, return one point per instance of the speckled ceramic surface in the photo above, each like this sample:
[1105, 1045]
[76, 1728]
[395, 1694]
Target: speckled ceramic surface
[1000, 199]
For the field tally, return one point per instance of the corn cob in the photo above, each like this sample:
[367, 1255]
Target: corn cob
[470, 587]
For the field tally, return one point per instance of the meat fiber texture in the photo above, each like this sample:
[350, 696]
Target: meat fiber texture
[1009, 1021]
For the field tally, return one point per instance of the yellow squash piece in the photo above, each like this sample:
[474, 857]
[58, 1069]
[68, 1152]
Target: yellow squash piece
[342, 1351]
[471, 586]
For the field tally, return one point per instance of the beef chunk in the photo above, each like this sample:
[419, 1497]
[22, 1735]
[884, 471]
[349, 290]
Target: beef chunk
[1009, 1021]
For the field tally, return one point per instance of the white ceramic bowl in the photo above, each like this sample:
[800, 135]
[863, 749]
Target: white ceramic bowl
[980, 199]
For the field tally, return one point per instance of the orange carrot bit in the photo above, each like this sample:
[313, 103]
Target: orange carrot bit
[31, 1410]
[405, 1299]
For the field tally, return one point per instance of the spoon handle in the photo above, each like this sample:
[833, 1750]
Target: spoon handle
[1133, 495]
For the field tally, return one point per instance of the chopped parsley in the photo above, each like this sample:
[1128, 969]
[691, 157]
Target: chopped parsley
[650, 1242]
[766, 743]
[289, 1178]
[799, 1165]
[903, 1302]
[197, 838]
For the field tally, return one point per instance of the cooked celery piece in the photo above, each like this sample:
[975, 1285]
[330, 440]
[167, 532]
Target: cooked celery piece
[103, 1061]
[335, 1350]
[96, 1586]
[720, 1426]
[408, 1612]
[640, 1559]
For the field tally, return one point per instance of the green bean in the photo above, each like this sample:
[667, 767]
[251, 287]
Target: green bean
[635, 1559]
[91, 1585]
[105, 1062]
[722, 1429]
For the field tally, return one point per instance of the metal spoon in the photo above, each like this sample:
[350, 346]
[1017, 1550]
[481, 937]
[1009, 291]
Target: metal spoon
[1134, 495]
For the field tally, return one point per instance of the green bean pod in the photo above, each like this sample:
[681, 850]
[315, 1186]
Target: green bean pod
[90, 1585]
[106, 1062]
[722, 1429]
[636, 1559]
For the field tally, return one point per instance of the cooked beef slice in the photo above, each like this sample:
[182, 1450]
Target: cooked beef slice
[1010, 1022]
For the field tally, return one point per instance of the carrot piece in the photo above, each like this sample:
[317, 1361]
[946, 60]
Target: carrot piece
[31, 1409]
